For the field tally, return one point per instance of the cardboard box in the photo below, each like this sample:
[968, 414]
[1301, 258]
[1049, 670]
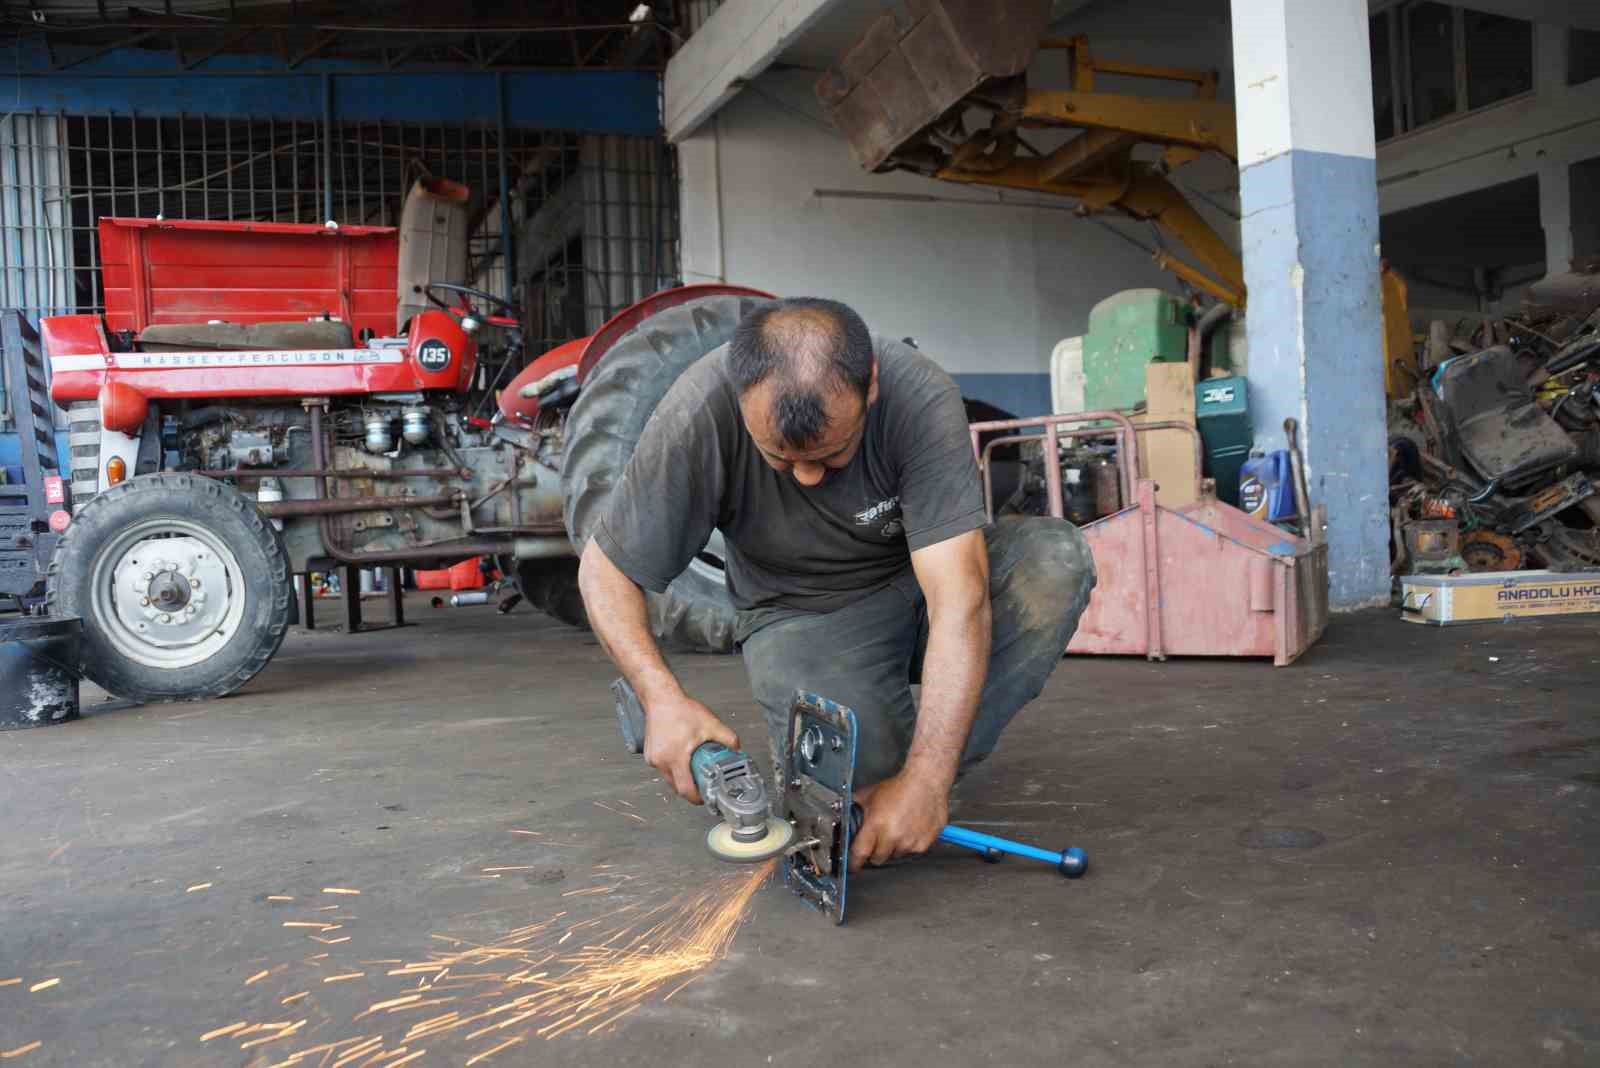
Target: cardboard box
[1168, 455]
[1498, 597]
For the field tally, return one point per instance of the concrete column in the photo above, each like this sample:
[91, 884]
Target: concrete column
[1555, 214]
[1308, 189]
[1583, 181]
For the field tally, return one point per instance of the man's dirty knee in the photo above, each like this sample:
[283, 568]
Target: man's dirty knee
[1056, 561]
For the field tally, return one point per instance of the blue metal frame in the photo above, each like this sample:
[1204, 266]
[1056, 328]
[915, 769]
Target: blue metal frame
[588, 101]
[831, 776]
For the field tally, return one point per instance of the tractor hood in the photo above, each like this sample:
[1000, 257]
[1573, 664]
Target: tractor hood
[190, 271]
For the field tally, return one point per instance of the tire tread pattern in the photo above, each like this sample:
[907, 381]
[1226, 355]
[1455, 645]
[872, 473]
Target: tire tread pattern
[603, 428]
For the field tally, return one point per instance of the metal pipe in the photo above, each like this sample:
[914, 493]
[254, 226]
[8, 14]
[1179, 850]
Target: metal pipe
[1201, 331]
[987, 471]
[507, 249]
[327, 148]
[1124, 474]
[344, 505]
[456, 550]
[1054, 498]
[1124, 430]
[333, 472]
[1168, 424]
[545, 547]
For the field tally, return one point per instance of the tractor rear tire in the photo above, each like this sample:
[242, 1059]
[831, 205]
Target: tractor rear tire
[617, 399]
[182, 585]
[552, 587]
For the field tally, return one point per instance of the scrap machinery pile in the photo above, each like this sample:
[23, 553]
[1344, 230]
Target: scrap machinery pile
[1495, 451]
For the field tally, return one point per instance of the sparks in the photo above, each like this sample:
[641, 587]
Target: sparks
[564, 976]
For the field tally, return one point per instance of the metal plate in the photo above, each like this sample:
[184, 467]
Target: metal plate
[817, 796]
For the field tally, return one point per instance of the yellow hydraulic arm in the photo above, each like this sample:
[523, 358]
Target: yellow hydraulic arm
[1097, 167]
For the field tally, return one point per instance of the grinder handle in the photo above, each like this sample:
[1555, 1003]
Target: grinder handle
[630, 720]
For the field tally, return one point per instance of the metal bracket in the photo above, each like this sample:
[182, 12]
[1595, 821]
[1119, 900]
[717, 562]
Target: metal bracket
[819, 775]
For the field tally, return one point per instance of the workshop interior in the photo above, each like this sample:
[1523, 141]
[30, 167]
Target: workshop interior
[331, 337]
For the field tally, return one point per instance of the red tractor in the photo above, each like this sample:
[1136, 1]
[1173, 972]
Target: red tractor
[252, 402]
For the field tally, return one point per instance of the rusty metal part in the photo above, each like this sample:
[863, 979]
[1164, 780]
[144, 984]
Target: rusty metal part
[330, 543]
[1432, 540]
[906, 72]
[335, 472]
[1576, 292]
[344, 505]
[891, 93]
[1055, 428]
[1262, 592]
[1485, 550]
[1565, 549]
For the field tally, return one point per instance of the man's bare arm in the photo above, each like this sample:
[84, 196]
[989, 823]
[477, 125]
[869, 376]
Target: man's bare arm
[954, 576]
[906, 813]
[675, 723]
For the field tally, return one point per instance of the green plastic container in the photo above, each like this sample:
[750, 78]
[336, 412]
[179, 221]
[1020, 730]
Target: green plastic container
[1222, 412]
[1127, 331]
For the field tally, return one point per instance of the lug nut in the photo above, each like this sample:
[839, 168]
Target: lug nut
[165, 618]
[144, 602]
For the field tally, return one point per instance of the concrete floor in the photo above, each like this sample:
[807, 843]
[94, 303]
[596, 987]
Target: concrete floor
[1384, 854]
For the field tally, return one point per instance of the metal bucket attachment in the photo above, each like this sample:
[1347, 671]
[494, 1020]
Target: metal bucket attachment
[910, 68]
[39, 671]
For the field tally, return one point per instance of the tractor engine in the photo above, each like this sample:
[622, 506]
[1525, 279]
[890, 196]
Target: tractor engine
[411, 473]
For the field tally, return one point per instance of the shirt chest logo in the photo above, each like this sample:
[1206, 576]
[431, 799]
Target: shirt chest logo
[885, 515]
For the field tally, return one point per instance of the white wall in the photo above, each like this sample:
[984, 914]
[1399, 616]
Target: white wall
[985, 289]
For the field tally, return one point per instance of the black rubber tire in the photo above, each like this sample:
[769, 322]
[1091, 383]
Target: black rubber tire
[552, 587]
[616, 401]
[232, 519]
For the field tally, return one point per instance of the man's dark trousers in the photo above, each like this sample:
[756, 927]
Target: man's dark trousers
[867, 654]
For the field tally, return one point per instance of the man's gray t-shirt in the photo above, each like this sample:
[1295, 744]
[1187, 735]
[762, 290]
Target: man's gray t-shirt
[913, 483]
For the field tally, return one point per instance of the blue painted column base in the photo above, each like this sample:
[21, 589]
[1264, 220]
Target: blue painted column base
[1310, 242]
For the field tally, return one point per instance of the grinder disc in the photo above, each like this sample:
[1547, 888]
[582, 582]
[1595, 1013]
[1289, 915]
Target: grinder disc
[724, 846]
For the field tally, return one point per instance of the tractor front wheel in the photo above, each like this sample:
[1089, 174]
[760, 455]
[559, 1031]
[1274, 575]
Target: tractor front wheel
[182, 585]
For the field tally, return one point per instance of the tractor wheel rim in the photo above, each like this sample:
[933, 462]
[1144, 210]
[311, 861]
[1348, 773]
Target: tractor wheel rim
[710, 563]
[168, 593]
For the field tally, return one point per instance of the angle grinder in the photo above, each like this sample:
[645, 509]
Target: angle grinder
[729, 784]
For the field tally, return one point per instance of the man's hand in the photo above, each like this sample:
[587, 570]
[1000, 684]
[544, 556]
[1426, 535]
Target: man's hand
[904, 815]
[675, 725]
[673, 729]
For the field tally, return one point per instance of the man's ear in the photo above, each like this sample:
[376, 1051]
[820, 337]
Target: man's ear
[872, 384]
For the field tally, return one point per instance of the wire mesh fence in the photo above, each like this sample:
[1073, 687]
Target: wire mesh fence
[593, 218]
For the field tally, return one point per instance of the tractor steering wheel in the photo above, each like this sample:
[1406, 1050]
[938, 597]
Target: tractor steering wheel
[499, 306]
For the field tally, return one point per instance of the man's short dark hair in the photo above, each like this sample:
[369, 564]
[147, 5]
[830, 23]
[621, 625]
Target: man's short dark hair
[811, 347]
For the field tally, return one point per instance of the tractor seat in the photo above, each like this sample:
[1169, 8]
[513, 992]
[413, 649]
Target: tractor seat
[1500, 431]
[234, 337]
